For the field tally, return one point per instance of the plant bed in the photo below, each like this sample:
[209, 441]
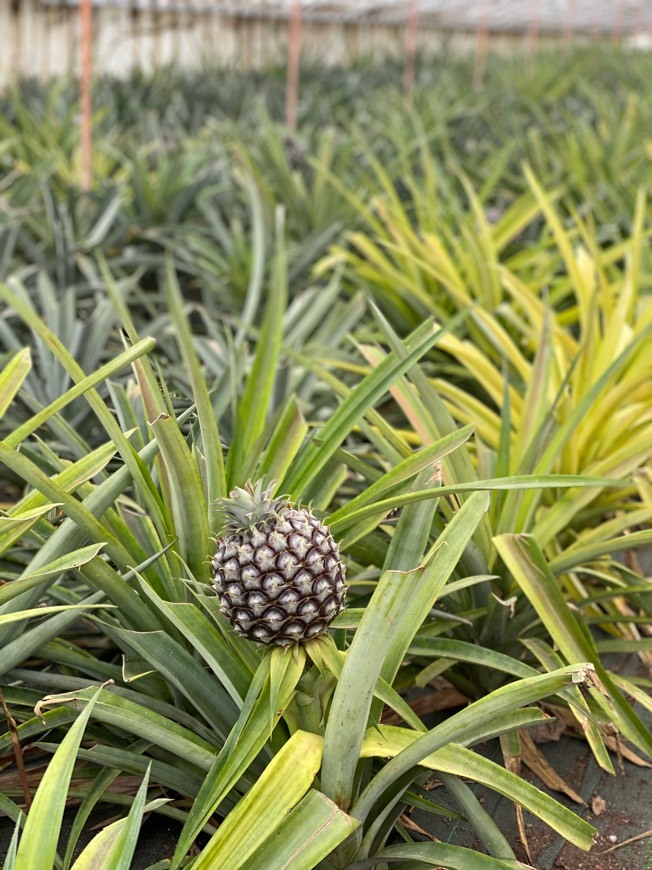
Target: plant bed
[353, 317]
[156, 841]
[617, 806]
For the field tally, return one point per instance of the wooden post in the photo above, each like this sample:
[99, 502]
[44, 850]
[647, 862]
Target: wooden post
[15, 40]
[532, 36]
[85, 97]
[637, 26]
[294, 62]
[569, 24]
[618, 23]
[155, 24]
[411, 29]
[482, 43]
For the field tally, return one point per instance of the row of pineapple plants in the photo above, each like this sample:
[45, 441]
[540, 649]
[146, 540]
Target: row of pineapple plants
[458, 392]
[202, 700]
[169, 153]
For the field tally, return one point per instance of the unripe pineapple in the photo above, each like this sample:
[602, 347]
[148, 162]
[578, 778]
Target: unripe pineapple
[277, 569]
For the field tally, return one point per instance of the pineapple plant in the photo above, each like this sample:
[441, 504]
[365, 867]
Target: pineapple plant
[278, 572]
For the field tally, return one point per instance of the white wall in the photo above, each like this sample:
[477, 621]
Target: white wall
[43, 40]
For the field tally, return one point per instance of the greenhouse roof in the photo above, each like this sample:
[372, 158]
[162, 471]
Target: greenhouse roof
[631, 17]
[555, 15]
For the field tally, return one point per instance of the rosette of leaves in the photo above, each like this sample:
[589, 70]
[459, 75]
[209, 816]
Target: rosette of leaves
[553, 382]
[115, 590]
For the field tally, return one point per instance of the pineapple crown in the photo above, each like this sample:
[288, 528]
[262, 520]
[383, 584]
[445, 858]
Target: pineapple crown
[249, 505]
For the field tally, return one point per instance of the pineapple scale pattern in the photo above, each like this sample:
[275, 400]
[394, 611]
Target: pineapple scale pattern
[281, 580]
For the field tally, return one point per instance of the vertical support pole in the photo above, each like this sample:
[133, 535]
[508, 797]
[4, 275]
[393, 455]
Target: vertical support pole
[294, 62]
[85, 96]
[569, 24]
[618, 25]
[155, 25]
[482, 43]
[532, 36]
[637, 26]
[411, 29]
[16, 41]
[596, 28]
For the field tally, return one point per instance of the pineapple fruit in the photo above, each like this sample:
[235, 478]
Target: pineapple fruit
[277, 569]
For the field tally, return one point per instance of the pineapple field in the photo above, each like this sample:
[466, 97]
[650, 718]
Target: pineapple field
[325, 464]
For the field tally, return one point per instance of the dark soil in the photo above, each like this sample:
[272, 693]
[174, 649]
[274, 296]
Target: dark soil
[627, 813]
[619, 807]
[156, 841]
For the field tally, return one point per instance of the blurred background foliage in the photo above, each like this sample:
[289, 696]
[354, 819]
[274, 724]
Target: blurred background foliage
[462, 280]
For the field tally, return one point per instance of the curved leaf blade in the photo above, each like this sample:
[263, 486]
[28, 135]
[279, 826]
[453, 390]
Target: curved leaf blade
[38, 844]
